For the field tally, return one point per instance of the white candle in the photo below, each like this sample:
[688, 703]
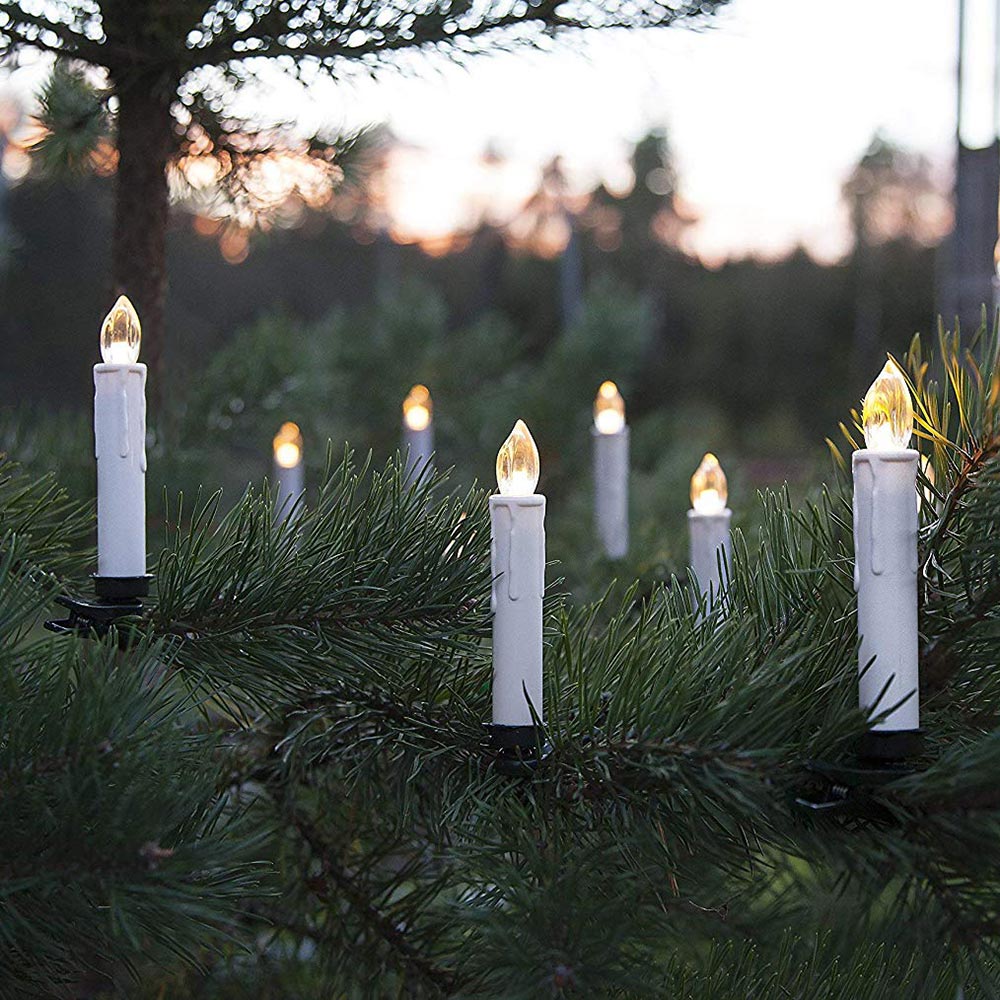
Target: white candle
[517, 546]
[708, 526]
[288, 470]
[885, 557]
[120, 448]
[611, 441]
[418, 433]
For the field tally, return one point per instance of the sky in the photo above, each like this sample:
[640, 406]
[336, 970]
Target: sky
[767, 111]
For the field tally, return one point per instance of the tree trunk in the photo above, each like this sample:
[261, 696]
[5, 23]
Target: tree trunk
[139, 252]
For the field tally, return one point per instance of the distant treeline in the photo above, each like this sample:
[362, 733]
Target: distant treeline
[780, 348]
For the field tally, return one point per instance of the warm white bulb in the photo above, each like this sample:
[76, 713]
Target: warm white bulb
[121, 333]
[417, 408]
[518, 463]
[709, 489]
[887, 411]
[288, 446]
[609, 409]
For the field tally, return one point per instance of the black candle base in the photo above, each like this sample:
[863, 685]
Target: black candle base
[891, 745]
[521, 750]
[121, 588]
[118, 597]
[848, 788]
[93, 618]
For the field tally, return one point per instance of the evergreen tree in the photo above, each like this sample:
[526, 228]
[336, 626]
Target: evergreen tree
[274, 780]
[171, 67]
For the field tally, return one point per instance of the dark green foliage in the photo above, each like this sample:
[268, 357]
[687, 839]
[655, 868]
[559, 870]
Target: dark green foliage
[370, 573]
[38, 515]
[75, 116]
[117, 847]
[331, 676]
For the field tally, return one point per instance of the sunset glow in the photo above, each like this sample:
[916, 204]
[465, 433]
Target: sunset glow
[760, 165]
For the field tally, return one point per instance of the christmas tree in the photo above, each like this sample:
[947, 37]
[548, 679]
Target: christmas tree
[275, 780]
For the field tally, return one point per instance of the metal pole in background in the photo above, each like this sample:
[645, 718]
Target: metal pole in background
[968, 253]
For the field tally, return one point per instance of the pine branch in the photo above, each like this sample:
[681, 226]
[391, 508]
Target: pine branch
[332, 38]
[336, 884]
[117, 847]
[371, 573]
[40, 513]
[659, 851]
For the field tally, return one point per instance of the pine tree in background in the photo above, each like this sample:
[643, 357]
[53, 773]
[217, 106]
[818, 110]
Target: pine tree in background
[172, 68]
[275, 782]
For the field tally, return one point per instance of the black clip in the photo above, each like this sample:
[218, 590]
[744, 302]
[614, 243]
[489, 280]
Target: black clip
[91, 618]
[521, 750]
[849, 789]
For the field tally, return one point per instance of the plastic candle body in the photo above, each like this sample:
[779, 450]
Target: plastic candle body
[611, 468]
[120, 449]
[708, 527]
[517, 548]
[289, 476]
[418, 433]
[885, 558]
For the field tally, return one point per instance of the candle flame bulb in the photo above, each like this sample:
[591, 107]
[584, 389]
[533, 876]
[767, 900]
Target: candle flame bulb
[609, 409]
[417, 408]
[288, 446]
[709, 490]
[517, 463]
[120, 334]
[887, 411]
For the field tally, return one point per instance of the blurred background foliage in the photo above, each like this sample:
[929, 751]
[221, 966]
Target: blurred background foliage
[316, 314]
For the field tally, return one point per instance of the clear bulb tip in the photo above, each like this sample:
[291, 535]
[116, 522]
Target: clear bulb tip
[121, 334]
[709, 489]
[518, 463]
[887, 411]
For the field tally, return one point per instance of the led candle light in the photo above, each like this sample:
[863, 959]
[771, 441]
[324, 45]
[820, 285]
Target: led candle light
[120, 448]
[288, 471]
[885, 567]
[418, 433]
[517, 545]
[611, 440]
[708, 525]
